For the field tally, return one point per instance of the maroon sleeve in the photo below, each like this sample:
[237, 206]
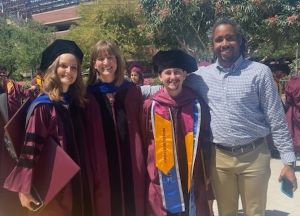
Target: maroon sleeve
[292, 109]
[37, 131]
[21, 92]
[16, 95]
[33, 81]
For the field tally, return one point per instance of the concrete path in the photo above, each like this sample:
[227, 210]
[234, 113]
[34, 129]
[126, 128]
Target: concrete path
[278, 204]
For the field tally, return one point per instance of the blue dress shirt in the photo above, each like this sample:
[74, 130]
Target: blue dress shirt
[244, 104]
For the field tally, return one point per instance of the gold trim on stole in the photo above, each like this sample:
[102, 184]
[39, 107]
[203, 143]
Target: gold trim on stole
[164, 149]
[189, 146]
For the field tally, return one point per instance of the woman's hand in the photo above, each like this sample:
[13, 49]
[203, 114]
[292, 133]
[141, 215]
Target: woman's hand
[28, 201]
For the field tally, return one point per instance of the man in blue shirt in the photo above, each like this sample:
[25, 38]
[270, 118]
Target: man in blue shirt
[245, 108]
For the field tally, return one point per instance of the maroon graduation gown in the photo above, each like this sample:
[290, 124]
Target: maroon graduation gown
[96, 150]
[52, 121]
[16, 95]
[119, 156]
[203, 190]
[292, 93]
[9, 201]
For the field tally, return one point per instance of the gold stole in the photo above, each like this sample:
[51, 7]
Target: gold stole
[164, 144]
[164, 147]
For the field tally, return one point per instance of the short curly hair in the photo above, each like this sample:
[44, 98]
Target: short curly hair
[238, 30]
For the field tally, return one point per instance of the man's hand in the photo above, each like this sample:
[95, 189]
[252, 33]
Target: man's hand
[26, 200]
[289, 173]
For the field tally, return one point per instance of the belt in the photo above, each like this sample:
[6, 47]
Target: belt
[240, 149]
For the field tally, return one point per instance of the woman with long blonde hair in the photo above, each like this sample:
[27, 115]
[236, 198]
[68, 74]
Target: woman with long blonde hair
[56, 115]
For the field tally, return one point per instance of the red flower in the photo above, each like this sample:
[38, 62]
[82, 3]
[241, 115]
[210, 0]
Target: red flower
[292, 19]
[272, 20]
[164, 12]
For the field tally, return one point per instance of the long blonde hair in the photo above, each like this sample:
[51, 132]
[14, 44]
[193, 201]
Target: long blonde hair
[110, 47]
[53, 88]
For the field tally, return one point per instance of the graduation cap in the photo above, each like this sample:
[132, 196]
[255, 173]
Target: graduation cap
[173, 59]
[57, 48]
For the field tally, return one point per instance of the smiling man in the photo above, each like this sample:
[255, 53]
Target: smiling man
[245, 108]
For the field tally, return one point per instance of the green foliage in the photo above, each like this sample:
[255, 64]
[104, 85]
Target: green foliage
[110, 20]
[271, 26]
[179, 24]
[21, 45]
[6, 44]
[156, 81]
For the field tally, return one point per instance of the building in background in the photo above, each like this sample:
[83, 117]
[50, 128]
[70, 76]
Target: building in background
[59, 14]
[24, 9]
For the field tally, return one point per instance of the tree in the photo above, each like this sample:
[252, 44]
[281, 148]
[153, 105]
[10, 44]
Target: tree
[21, 45]
[6, 45]
[30, 40]
[110, 20]
[179, 23]
[271, 26]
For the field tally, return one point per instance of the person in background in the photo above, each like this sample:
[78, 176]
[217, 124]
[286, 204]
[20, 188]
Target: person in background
[3, 77]
[9, 201]
[16, 93]
[56, 115]
[245, 108]
[176, 131]
[37, 81]
[136, 74]
[119, 161]
[279, 71]
[292, 108]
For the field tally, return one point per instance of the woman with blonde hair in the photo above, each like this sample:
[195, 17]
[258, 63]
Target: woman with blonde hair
[56, 115]
[121, 177]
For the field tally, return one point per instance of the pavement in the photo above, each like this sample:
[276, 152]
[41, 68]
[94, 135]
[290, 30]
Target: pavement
[278, 204]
